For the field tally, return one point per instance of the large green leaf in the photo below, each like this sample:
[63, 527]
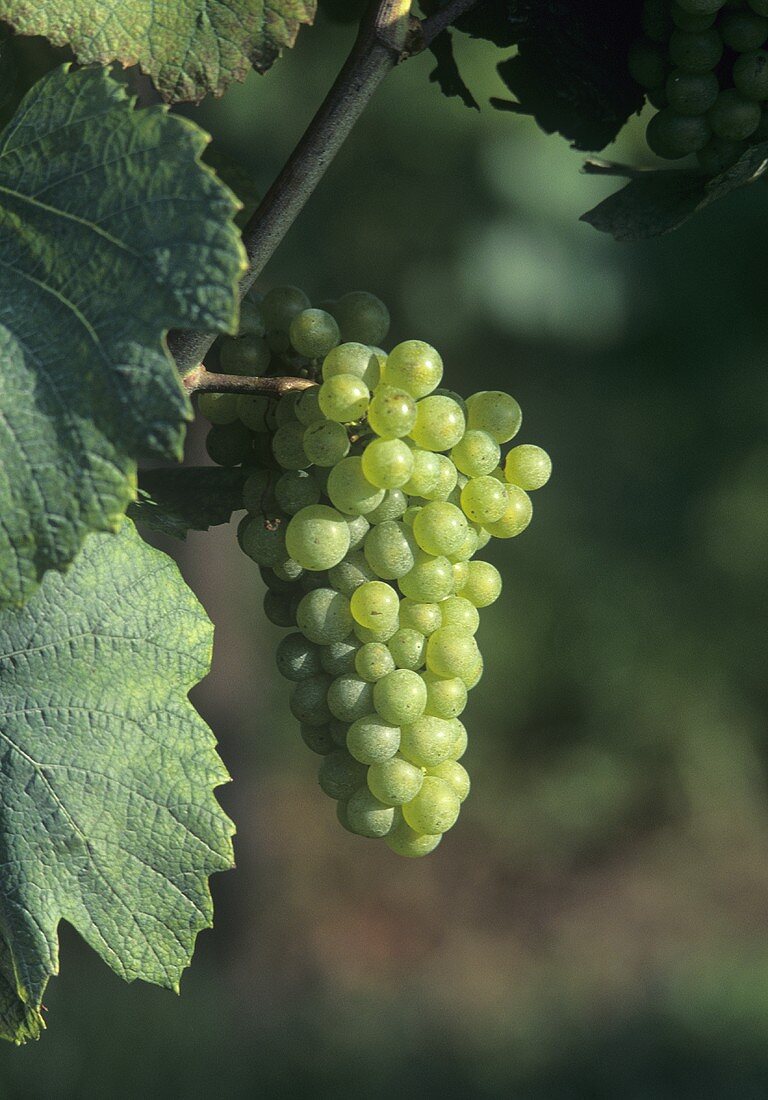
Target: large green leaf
[188, 47]
[111, 232]
[188, 498]
[107, 814]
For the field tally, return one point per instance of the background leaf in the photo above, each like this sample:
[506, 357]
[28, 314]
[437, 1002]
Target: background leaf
[195, 498]
[188, 47]
[106, 772]
[111, 232]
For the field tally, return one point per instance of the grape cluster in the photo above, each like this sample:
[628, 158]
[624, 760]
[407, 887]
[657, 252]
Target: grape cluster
[368, 497]
[704, 65]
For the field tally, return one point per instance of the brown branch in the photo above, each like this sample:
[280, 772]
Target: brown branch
[443, 19]
[200, 380]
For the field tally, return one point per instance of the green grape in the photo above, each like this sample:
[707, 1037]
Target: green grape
[455, 775]
[344, 398]
[394, 781]
[244, 355]
[647, 65]
[719, 154]
[656, 21]
[280, 609]
[340, 774]
[372, 740]
[494, 412]
[313, 579]
[750, 75]
[404, 841]
[350, 490]
[297, 659]
[528, 467]
[257, 492]
[323, 616]
[288, 446]
[407, 647]
[362, 317]
[451, 652]
[439, 423]
[317, 537]
[484, 499]
[743, 30]
[374, 605]
[392, 412]
[313, 333]
[392, 507]
[271, 579]
[338, 732]
[317, 739]
[447, 475]
[373, 660]
[427, 741]
[219, 408]
[325, 443]
[430, 580]
[733, 117]
[285, 411]
[400, 696]
[288, 570]
[256, 412]
[691, 21]
[350, 573]
[281, 304]
[440, 528]
[691, 93]
[422, 617]
[308, 701]
[409, 516]
[364, 815]
[338, 658]
[672, 136]
[517, 516]
[358, 529]
[390, 550]
[695, 51]
[379, 634]
[264, 541]
[296, 490]
[307, 408]
[759, 6]
[484, 584]
[426, 471]
[229, 444]
[460, 744]
[468, 548]
[350, 697]
[251, 320]
[353, 358]
[459, 612]
[701, 7]
[460, 574]
[434, 809]
[414, 367]
[477, 453]
[446, 698]
[388, 463]
[278, 343]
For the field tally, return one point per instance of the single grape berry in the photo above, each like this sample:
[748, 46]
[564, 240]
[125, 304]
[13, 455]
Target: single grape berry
[313, 333]
[362, 317]
[671, 135]
[750, 74]
[280, 305]
[733, 117]
[695, 51]
[743, 30]
[691, 93]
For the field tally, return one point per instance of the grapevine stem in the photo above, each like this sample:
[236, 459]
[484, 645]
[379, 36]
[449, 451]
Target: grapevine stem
[442, 19]
[200, 380]
[378, 47]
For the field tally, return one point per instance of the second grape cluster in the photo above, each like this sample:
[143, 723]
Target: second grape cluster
[704, 65]
[369, 496]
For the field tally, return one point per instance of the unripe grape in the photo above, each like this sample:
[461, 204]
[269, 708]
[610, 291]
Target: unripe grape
[392, 507]
[294, 490]
[440, 528]
[244, 355]
[289, 570]
[759, 6]
[325, 443]
[445, 483]
[288, 446]
[229, 444]
[373, 660]
[349, 698]
[528, 467]
[251, 319]
[350, 490]
[484, 584]
[323, 616]
[691, 21]
[671, 135]
[338, 732]
[219, 408]
[307, 407]
[313, 333]
[446, 697]
[439, 423]
[358, 529]
[317, 537]
[281, 304]
[364, 815]
[422, 617]
[344, 398]
[264, 541]
[701, 7]
[459, 612]
[750, 75]
[426, 471]
[297, 659]
[743, 30]
[353, 358]
[427, 741]
[414, 367]
[257, 492]
[400, 696]
[477, 453]
[340, 775]
[484, 499]
[378, 634]
[517, 516]
[451, 652]
[317, 739]
[494, 412]
[350, 573]
[338, 658]
[405, 841]
[695, 51]
[435, 808]
[407, 648]
[308, 701]
[362, 317]
[285, 410]
[460, 742]
[372, 740]
[256, 412]
[394, 781]
[392, 412]
[733, 117]
[455, 775]
[430, 580]
[374, 604]
[692, 93]
[390, 550]
[388, 463]
[280, 609]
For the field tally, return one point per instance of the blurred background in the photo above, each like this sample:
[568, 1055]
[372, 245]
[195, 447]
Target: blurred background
[597, 924]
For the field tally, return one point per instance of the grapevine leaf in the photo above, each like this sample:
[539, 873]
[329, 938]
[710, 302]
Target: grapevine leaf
[495, 21]
[658, 202]
[446, 72]
[111, 232]
[107, 774]
[188, 47]
[195, 498]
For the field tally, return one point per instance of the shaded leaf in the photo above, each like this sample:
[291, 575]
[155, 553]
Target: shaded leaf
[107, 774]
[195, 498]
[111, 232]
[446, 73]
[188, 48]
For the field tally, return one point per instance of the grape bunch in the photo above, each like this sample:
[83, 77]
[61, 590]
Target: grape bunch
[704, 65]
[368, 496]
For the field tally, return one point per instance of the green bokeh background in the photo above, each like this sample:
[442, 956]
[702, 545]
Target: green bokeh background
[597, 924]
